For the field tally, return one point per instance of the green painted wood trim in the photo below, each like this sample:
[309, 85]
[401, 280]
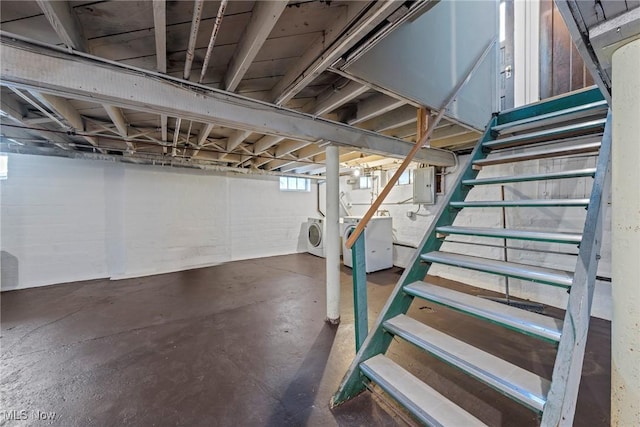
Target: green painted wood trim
[399, 301]
[360, 291]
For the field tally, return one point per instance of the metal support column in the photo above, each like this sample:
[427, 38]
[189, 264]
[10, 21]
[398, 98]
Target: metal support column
[332, 242]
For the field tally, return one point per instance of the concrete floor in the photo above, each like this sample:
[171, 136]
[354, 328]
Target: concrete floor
[240, 344]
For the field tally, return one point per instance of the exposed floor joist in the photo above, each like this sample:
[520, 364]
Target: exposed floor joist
[375, 106]
[327, 48]
[74, 76]
[333, 99]
[64, 22]
[264, 16]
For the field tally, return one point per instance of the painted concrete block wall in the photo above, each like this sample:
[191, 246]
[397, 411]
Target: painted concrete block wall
[264, 222]
[556, 219]
[66, 220]
[174, 220]
[53, 223]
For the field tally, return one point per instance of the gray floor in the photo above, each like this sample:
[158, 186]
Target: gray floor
[240, 344]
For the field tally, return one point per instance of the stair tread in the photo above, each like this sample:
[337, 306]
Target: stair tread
[521, 203]
[508, 233]
[590, 147]
[425, 403]
[546, 134]
[567, 114]
[578, 173]
[520, 320]
[533, 273]
[513, 381]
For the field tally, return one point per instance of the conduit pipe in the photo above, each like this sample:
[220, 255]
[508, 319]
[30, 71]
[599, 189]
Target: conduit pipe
[212, 40]
[193, 36]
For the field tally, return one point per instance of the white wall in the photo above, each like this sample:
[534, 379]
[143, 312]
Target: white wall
[66, 220]
[52, 230]
[552, 219]
[526, 55]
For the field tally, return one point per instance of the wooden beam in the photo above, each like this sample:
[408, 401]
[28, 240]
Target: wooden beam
[64, 108]
[375, 106]
[266, 142]
[237, 138]
[422, 122]
[118, 119]
[164, 119]
[393, 119]
[332, 99]
[15, 111]
[264, 16]
[287, 147]
[65, 23]
[343, 34]
[309, 151]
[160, 31]
[455, 140]
[176, 133]
[204, 133]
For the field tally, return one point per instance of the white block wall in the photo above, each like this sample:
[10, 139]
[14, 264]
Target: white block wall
[66, 220]
[53, 227]
[551, 219]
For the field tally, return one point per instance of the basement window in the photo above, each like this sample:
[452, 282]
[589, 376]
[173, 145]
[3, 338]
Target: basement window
[4, 166]
[292, 183]
[406, 178]
[362, 183]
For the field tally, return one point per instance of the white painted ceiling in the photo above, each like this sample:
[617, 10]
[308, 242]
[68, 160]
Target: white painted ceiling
[125, 31]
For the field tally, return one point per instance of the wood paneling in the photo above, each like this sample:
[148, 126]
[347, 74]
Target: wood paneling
[562, 69]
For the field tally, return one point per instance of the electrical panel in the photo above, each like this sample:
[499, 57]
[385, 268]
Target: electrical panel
[424, 186]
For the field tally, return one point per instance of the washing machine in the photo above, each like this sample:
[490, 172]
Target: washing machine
[378, 242]
[316, 231]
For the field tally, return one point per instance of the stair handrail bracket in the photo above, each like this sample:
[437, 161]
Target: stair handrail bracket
[561, 400]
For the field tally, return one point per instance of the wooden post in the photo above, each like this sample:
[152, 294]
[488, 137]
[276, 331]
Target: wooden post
[423, 123]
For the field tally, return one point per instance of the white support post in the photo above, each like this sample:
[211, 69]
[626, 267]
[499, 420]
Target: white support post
[332, 242]
[625, 239]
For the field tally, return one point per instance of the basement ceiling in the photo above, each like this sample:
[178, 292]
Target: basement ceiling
[277, 52]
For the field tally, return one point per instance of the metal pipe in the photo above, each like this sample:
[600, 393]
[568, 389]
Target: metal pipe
[333, 246]
[212, 40]
[193, 36]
